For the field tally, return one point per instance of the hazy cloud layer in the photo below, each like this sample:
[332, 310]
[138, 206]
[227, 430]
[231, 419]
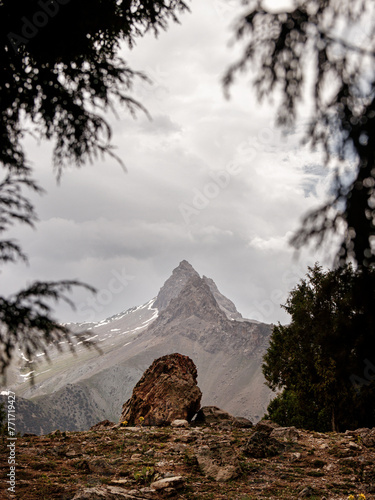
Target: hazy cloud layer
[208, 180]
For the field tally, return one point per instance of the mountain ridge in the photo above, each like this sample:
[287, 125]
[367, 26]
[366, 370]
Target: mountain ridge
[227, 352]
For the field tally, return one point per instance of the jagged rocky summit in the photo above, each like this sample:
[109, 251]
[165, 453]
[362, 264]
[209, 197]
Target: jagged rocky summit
[174, 284]
[166, 392]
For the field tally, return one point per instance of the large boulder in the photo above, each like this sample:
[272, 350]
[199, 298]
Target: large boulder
[213, 415]
[167, 391]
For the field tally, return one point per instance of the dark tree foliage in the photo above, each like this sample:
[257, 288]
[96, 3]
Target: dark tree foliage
[323, 50]
[60, 69]
[324, 360]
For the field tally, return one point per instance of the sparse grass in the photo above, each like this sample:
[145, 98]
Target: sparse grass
[46, 471]
[315, 473]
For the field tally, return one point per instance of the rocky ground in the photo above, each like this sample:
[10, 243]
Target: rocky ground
[207, 462]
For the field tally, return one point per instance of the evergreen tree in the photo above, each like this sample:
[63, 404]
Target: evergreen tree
[322, 51]
[324, 360]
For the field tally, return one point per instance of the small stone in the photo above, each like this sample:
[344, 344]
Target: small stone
[242, 423]
[104, 424]
[368, 438]
[218, 461]
[285, 433]
[100, 466]
[168, 482]
[56, 433]
[147, 490]
[119, 482]
[266, 425]
[105, 493]
[295, 456]
[306, 492]
[227, 473]
[329, 467]
[180, 423]
[353, 446]
[71, 454]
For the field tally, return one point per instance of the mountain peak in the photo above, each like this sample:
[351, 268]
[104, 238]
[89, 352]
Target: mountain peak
[195, 299]
[185, 265]
[174, 284]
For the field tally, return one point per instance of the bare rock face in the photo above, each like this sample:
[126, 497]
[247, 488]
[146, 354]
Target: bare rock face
[174, 284]
[224, 303]
[167, 391]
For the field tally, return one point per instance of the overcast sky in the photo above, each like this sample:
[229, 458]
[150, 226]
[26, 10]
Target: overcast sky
[208, 180]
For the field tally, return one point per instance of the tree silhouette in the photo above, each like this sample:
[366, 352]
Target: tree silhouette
[323, 50]
[60, 70]
[322, 360]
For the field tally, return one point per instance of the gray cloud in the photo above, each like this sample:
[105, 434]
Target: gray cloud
[208, 180]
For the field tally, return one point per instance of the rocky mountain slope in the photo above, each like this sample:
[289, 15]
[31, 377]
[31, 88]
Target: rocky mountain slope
[189, 316]
[218, 462]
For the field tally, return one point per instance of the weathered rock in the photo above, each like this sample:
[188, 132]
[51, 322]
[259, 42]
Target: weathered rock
[262, 445]
[168, 482]
[285, 433]
[369, 438]
[55, 433]
[100, 466]
[354, 446]
[218, 461]
[266, 426]
[104, 424]
[364, 435]
[213, 415]
[174, 284]
[180, 423]
[307, 492]
[108, 493]
[167, 391]
[242, 423]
